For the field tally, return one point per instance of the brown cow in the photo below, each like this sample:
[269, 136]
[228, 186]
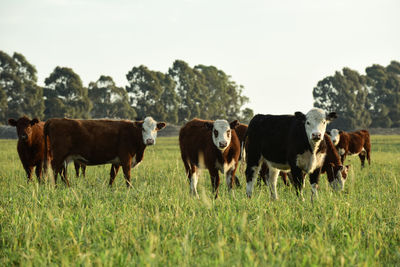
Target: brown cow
[95, 142]
[354, 143]
[209, 144]
[30, 145]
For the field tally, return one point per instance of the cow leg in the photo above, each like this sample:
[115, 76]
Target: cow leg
[193, 178]
[38, 171]
[263, 174]
[298, 181]
[284, 178]
[272, 180]
[77, 166]
[126, 168]
[368, 155]
[314, 179]
[64, 177]
[215, 180]
[230, 178]
[113, 173]
[83, 168]
[252, 170]
[362, 158]
[28, 170]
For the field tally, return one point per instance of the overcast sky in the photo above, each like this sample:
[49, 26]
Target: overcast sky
[278, 50]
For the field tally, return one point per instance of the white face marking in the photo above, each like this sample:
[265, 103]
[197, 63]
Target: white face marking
[315, 125]
[221, 134]
[149, 131]
[309, 161]
[335, 136]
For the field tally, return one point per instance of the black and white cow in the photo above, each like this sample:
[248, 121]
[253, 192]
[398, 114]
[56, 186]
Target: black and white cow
[288, 143]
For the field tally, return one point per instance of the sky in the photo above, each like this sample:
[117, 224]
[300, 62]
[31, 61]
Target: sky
[278, 50]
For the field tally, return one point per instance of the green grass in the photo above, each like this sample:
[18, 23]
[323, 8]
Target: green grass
[158, 223]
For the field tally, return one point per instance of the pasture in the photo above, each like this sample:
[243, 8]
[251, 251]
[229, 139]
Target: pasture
[158, 223]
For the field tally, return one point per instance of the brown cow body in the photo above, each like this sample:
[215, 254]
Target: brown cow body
[30, 145]
[95, 142]
[353, 143]
[198, 150]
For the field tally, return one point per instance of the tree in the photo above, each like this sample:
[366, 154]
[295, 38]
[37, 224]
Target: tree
[191, 89]
[345, 93]
[152, 94]
[19, 89]
[109, 101]
[385, 94]
[65, 95]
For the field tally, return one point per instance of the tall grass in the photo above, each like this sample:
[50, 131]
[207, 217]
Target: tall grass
[157, 222]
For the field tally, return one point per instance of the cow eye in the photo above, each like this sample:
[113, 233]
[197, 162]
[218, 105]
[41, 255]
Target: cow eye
[228, 133]
[216, 133]
[308, 123]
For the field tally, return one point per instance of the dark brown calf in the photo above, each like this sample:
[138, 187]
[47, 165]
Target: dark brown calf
[95, 142]
[213, 145]
[354, 143]
[31, 148]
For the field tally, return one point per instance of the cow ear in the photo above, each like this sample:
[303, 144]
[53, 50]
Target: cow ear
[234, 124]
[12, 122]
[340, 131]
[209, 125]
[34, 121]
[161, 125]
[300, 116]
[331, 116]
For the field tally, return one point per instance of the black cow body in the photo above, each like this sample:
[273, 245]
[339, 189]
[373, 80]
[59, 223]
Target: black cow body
[282, 142]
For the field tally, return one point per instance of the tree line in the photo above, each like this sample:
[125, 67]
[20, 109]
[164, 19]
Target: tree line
[179, 95]
[367, 100]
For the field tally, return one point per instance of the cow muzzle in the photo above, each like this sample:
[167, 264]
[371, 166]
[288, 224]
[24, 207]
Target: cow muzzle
[150, 142]
[316, 136]
[223, 145]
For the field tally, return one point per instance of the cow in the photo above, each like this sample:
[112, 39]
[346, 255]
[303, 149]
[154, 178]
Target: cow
[290, 143]
[213, 145]
[96, 142]
[30, 147]
[332, 166]
[353, 143]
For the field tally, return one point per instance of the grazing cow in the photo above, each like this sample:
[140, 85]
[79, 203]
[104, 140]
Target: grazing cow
[95, 142]
[335, 171]
[354, 143]
[209, 144]
[31, 148]
[290, 143]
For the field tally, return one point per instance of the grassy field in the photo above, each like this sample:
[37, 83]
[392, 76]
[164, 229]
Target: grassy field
[158, 223]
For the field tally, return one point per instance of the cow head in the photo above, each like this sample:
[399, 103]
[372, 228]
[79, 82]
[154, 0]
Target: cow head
[149, 130]
[335, 136]
[24, 127]
[221, 132]
[315, 122]
[340, 175]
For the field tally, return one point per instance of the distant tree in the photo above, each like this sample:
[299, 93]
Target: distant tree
[345, 93]
[152, 94]
[19, 89]
[247, 115]
[191, 89]
[109, 101]
[65, 95]
[385, 94]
